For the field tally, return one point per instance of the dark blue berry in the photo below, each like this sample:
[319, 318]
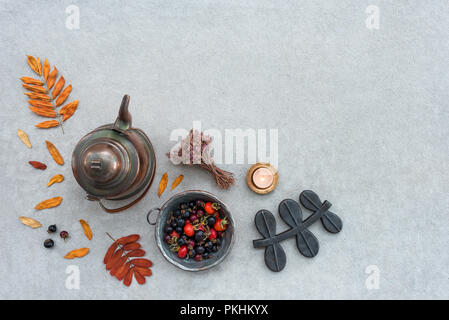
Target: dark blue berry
[48, 243]
[52, 228]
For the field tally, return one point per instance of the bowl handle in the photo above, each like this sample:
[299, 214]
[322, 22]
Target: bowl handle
[149, 214]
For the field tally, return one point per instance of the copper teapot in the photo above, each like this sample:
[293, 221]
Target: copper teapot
[115, 162]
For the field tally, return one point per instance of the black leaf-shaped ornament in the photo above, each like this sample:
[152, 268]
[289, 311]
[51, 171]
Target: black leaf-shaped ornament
[291, 213]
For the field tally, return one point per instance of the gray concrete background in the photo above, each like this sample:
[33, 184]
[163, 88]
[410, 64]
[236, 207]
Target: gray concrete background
[362, 118]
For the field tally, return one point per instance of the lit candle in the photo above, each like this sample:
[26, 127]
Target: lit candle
[263, 178]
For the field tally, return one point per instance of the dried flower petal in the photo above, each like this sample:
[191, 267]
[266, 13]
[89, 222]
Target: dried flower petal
[77, 253]
[55, 179]
[162, 184]
[54, 153]
[177, 181]
[38, 165]
[24, 137]
[30, 222]
[86, 228]
[49, 203]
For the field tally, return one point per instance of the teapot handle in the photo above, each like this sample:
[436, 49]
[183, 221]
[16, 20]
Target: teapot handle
[124, 119]
[116, 210]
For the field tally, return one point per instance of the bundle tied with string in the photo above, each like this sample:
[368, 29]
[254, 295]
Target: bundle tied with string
[195, 150]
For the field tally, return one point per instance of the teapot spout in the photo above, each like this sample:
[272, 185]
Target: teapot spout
[124, 119]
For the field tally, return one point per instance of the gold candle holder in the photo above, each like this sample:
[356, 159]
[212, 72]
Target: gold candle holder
[262, 178]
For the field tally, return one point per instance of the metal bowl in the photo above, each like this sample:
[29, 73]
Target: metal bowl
[171, 205]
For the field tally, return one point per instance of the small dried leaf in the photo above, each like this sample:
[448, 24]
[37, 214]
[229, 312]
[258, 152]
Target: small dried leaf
[33, 81]
[49, 203]
[136, 253]
[122, 271]
[46, 69]
[114, 258]
[77, 253]
[39, 65]
[38, 89]
[40, 103]
[58, 87]
[38, 165]
[139, 278]
[177, 181]
[129, 277]
[64, 95]
[110, 252]
[162, 184]
[44, 112]
[24, 137]
[68, 110]
[143, 271]
[47, 124]
[55, 179]
[142, 262]
[86, 228]
[132, 246]
[52, 78]
[128, 239]
[34, 64]
[30, 222]
[37, 96]
[120, 262]
[54, 153]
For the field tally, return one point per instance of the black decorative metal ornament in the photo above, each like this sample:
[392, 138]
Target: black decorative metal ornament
[291, 213]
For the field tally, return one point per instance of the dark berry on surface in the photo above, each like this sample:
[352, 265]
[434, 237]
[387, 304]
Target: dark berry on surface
[49, 243]
[64, 234]
[52, 228]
